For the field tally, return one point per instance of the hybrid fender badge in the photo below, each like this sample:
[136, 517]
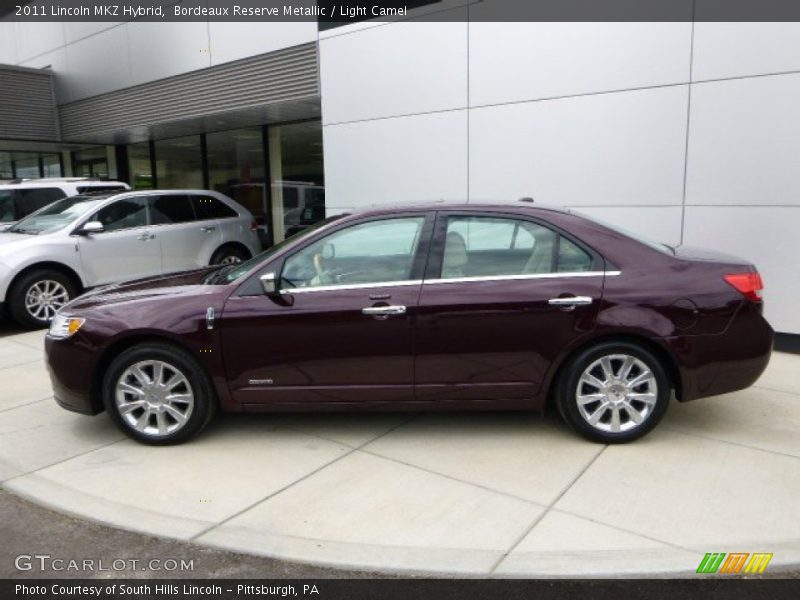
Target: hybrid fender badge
[210, 317]
[260, 381]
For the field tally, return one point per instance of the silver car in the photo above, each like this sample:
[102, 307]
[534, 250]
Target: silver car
[83, 241]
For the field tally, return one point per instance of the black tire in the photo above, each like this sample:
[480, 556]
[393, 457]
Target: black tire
[203, 407]
[33, 282]
[229, 255]
[649, 404]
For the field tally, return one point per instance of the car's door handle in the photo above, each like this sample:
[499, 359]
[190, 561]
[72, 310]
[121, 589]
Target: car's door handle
[383, 311]
[570, 302]
[146, 236]
[208, 228]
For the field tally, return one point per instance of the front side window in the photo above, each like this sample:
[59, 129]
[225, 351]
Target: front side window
[122, 214]
[373, 252]
[492, 246]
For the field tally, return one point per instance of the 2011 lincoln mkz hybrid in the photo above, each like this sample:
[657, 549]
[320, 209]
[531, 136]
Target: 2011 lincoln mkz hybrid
[434, 306]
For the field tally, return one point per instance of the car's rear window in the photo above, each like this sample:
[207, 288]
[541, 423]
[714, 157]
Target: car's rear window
[663, 248]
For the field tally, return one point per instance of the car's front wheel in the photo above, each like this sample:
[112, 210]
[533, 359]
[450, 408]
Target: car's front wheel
[36, 297]
[158, 394]
[613, 392]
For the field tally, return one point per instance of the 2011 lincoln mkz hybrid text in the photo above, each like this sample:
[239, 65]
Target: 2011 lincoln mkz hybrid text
[434, 306]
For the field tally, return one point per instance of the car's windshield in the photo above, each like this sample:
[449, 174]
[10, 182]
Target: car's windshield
[639, 238]
[57, 215]
[229, 275]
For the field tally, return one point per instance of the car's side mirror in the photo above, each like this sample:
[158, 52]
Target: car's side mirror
[269, 283]
[91, 227]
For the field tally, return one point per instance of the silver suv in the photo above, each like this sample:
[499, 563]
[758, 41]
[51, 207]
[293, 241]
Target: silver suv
[21, 197]
[83, 241]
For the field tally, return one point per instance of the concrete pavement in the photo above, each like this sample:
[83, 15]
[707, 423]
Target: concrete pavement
[480, 494]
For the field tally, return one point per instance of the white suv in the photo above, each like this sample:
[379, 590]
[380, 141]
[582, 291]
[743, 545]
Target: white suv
[51, 256]
[21, 197]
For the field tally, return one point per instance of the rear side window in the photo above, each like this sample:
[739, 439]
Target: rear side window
[206, 207]
[33, 199]
[498, 246]
[171, 209]
[571, 258]
[7, 210]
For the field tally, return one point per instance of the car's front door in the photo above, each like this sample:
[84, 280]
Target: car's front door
[341, 330]
[127, 248]
[501, 297]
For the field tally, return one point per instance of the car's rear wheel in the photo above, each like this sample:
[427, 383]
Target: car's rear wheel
[613, 392]
[158, 394]
[37, 296]
[229, 255]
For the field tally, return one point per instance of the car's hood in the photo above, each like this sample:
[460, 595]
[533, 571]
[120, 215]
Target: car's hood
[171, 285]
[11, 242]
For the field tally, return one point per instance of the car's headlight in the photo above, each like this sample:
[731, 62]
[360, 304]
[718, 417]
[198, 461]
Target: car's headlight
[62, 326]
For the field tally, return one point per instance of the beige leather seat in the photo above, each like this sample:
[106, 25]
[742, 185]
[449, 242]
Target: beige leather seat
[541, 259]
[455, 256]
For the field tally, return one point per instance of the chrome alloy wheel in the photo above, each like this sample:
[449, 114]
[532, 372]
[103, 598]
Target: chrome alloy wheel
[231, 260]
[44, 298]
[616, 393]
[154, 398]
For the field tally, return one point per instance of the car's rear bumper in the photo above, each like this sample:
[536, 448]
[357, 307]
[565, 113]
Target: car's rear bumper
[70, 367]
[719, 364]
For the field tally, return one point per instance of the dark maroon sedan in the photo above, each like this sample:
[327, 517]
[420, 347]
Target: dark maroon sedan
[436, 306]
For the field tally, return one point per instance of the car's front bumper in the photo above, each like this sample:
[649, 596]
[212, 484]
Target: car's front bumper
[70, 366]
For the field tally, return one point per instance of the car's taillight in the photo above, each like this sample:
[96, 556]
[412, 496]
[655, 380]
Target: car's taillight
[749, 284]
[253, 225]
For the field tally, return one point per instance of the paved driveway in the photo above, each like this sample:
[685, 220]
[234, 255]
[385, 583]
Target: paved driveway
[503, 494]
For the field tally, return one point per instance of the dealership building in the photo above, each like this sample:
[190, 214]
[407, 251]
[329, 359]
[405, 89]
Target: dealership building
[687, 132]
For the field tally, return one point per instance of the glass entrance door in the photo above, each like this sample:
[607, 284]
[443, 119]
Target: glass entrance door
[297, 177]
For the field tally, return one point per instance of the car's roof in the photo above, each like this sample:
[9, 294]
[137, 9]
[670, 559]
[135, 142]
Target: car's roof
[455, 204]
[51, 181]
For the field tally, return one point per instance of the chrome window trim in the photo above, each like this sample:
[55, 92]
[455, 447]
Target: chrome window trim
[351, 286]
[524, 277]
[405, 283]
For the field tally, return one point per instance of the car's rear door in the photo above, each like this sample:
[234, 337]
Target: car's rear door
[217, 217]
[341, 331]
[186, 242]
[501, 297]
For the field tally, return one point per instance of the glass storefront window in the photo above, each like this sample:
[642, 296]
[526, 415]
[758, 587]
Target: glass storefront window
[91, 162]
[236, 169]
[6, 167]
[179, 163]
[297, 177]
[26, 165]
[51, 164]
[139, 166]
